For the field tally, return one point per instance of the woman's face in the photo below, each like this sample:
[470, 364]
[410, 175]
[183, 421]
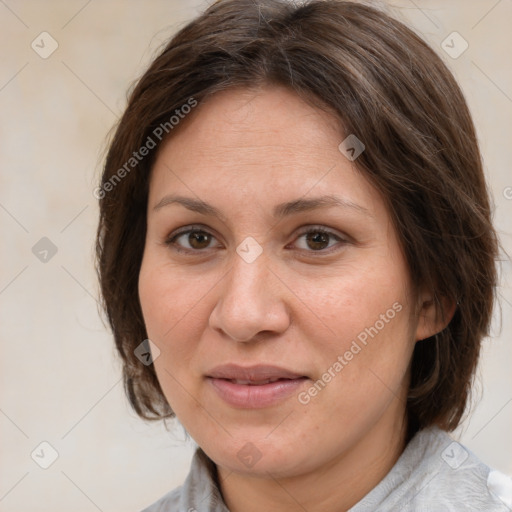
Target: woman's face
[249, 297]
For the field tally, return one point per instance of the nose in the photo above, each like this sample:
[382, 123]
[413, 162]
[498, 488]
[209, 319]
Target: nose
[251, 302]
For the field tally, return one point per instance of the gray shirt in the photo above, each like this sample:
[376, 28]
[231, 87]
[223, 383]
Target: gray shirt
[433, 474]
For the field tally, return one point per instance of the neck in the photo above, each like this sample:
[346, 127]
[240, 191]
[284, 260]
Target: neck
[338, 485]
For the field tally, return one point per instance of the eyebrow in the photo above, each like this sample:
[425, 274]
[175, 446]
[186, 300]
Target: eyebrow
[280, 211]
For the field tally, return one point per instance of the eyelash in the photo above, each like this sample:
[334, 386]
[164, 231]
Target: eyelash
[171, 240]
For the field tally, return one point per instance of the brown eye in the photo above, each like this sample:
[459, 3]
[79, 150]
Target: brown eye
[191, 240]
[317, 240]
[199, 239]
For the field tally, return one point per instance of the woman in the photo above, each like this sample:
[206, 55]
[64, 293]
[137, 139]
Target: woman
[297, 261]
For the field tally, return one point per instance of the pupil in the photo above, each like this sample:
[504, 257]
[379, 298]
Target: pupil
[198, 240]
[317, 239]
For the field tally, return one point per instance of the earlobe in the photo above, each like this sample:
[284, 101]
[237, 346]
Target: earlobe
[434, 316]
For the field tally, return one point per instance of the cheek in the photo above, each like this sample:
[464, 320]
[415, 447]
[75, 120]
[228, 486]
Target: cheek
[176, 307]
[345, 306]
[360, 337]
[171, 307]
[166, 308]
[169, 299]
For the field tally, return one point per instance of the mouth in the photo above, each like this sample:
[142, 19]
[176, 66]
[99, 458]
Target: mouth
[255, 382]
[256, 386]
[252, 374]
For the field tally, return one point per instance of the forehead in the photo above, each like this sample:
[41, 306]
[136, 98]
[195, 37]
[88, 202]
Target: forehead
[265, 145]
[271, 123]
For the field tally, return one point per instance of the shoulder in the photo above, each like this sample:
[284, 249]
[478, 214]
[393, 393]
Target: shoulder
[168, 503]
[436, 473]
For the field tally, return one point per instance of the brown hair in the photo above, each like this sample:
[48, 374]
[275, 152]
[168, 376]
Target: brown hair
[387, 86]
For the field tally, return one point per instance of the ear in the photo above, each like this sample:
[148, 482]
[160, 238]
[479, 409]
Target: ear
[432, 317]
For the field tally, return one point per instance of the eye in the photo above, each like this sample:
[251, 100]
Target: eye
[317, 239]
[191, 239]
[196, 239]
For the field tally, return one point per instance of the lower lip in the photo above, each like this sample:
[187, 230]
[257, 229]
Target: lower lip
[253, 397]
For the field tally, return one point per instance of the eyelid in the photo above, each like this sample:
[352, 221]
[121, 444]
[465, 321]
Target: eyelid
[322, 229]
[191, 227]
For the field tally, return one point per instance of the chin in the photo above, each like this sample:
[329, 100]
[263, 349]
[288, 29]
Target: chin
[259, 456]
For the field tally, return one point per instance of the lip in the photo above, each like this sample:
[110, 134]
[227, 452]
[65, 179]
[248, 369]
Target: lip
[252, 373]
[253, 389]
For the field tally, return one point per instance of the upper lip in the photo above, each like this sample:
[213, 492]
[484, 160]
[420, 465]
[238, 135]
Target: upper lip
[252, 373]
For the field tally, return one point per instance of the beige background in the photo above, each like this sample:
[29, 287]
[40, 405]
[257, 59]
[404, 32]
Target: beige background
[59, 377]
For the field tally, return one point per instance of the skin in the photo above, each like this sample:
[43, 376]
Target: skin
[297, 306]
